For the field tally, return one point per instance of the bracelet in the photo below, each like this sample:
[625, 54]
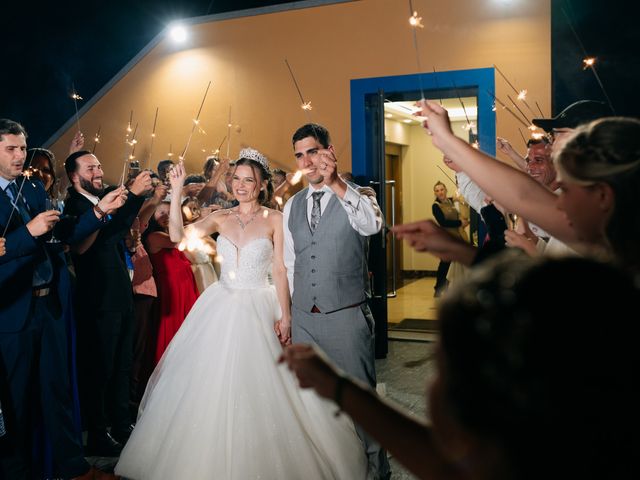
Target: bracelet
[99, 211]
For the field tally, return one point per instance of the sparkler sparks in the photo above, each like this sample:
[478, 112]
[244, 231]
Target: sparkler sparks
[297, 177]
[415, 20]
[522, 95]
[588, 62]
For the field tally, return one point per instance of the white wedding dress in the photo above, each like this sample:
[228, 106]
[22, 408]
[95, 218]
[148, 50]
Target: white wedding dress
[219, 407]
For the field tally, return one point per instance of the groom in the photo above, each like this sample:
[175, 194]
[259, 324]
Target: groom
[326, 230]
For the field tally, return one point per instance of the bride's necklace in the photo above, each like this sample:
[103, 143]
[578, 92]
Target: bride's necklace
[242, 224]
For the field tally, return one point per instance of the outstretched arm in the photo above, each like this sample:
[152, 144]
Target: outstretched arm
[512, 188]
[426, 236]
[408, 439]
[505, 147]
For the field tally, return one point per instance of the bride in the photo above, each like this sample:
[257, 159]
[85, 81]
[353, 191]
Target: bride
[217, 406]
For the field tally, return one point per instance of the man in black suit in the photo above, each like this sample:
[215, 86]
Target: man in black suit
[34, 362]
[104, 306]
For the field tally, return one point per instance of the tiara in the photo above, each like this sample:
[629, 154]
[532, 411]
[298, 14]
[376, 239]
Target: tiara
[256, 156]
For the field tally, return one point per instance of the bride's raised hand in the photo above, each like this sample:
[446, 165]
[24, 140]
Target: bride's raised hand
[176, 177]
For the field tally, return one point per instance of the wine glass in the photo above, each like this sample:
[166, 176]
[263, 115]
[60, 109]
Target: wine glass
[54, 204]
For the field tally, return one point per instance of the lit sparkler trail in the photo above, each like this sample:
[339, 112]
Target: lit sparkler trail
[96, 140]
[127, 143]
[588, 61]
[75, 98]
[522, 94]
[508, 109]
[228, 137]
[446, 174]
[522, 135]
[518, 108]
[306, 106]
[414, 24]
[153, 137]
[464, 109]
[195, 122]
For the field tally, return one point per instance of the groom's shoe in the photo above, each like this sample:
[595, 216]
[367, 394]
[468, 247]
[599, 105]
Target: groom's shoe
[102, 444]
[122, 435]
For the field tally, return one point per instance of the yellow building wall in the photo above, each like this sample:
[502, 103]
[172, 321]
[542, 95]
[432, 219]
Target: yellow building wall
[327, 46]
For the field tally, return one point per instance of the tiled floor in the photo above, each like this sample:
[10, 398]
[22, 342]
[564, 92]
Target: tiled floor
[403, 378]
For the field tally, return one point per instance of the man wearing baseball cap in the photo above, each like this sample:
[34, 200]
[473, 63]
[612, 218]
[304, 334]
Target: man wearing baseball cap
[576, 114]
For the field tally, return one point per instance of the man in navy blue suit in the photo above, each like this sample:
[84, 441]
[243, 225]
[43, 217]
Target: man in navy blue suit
[33, 341]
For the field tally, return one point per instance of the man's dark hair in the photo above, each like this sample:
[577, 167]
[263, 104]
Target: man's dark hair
[9, 127]
[163, 165]
[314, 130]
[537, 141]
[71, 163]
[278, 171]
[193, 178]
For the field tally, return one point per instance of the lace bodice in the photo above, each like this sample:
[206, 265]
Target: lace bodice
[247, 266]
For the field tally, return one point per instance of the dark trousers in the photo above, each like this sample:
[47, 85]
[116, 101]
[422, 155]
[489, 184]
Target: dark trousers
[34, 364]
[105, 351]
[441, 277]
[144, 348]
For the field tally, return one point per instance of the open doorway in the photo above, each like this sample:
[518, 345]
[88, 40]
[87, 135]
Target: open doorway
[392, 153]
[413, 166]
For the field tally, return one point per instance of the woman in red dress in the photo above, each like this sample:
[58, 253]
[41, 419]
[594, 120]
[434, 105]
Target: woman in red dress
[177, 291]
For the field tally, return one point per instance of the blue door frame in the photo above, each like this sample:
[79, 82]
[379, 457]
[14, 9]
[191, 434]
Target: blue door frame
[367, 154]
[481, 79]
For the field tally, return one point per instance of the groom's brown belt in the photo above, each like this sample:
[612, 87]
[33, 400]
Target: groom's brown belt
[315, 309]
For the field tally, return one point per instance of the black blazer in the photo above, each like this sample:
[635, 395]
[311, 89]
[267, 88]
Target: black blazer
[23, 251]
[103, 281]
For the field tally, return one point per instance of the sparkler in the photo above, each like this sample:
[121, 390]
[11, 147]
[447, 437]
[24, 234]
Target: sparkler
[153, 137]
[127, 143]
[522, 135]
[521, 94]
[131, 156]
[306, 106]
[507, 109]
[435, 79]
[76, 97]
[415, 22]
[446, 174]
[521, 112]
[196, 121]
[588, 61]
[96, 140]
[539, 109]
[229, 133]
[464, 109]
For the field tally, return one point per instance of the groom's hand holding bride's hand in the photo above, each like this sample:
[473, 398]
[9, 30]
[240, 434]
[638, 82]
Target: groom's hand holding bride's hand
[283, 330]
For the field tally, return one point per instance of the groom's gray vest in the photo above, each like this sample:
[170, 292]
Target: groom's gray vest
[330, 270]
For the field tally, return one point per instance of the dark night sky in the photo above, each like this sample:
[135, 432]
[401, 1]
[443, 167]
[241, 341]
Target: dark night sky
[49, 45]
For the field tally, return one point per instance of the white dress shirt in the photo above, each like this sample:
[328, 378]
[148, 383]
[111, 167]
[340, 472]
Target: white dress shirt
[363, 212]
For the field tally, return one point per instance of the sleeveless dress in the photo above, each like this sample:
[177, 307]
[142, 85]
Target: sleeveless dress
[219, 407]
[177, 292]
